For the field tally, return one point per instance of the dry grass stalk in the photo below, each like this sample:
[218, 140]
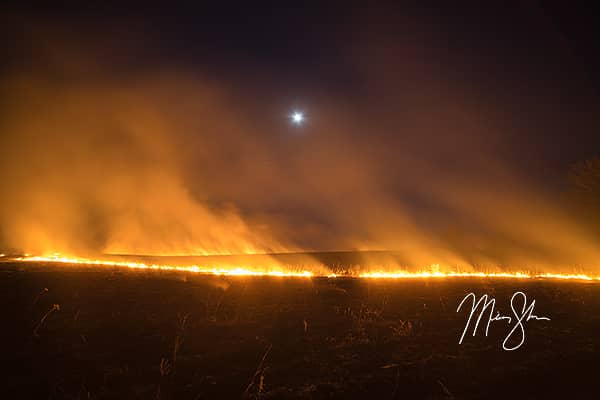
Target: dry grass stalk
[259, 376]
[55, 307]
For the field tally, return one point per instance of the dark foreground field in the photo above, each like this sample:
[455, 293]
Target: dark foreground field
[123, 334]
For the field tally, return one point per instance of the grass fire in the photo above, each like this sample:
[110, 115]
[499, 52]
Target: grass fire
[336, 200]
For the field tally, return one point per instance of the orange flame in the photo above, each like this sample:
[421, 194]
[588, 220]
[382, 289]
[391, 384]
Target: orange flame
[228, 270]
[452, 274]
[233, 270]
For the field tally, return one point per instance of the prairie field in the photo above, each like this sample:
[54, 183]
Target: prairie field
[73, 332]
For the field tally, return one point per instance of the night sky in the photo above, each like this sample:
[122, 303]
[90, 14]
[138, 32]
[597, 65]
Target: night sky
[444, 131]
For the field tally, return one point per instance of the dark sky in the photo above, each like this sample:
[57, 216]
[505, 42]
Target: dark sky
[539, 59]
[412, 110]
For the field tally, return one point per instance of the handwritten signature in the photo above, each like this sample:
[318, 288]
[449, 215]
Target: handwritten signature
[521, 315]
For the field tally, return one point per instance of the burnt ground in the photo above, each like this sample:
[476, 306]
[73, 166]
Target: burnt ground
[123, 334]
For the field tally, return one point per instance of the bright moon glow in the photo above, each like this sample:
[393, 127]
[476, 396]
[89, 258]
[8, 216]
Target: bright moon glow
[297, 117]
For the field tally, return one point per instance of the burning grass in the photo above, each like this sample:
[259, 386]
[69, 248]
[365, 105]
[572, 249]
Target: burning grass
[282, 270]
[158, 336]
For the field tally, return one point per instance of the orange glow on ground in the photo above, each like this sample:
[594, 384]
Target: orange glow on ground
[513, 275]
[234, 270]
[225, 270]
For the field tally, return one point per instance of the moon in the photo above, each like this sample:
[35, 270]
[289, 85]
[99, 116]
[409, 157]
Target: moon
[297, 117]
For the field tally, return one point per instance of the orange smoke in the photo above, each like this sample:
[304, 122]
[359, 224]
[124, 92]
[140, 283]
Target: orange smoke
[170, 162]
